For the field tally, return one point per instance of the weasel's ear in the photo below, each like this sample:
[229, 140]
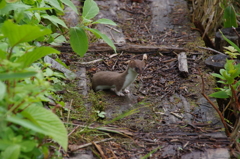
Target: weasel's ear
[131, 63]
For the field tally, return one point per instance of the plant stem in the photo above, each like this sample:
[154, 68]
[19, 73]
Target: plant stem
[215, 107]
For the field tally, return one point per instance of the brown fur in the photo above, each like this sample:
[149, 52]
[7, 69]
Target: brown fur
[114, 78]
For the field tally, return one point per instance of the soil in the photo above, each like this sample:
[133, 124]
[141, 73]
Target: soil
[164, 115]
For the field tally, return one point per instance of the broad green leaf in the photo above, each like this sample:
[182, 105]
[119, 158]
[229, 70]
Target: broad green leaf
[5, 141]
[11, 152]
[2, 90]
[17, 75]
[55, 4]
[230, 42]
[220, 94]
[229, 17]
[25, 123]
[28, 145]
[3, 54]
[30, 57]
[2, 4]
[78, 40]
[49, 122]
[13, 6]
[104, 21]
[22, 33]
[90, 9]
[55, 20]
[104, 37]
[71, 5]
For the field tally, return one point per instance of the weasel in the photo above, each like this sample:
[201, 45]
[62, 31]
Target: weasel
[118, 81]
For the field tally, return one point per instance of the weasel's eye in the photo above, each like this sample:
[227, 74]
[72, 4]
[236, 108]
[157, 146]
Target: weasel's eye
[137, 70]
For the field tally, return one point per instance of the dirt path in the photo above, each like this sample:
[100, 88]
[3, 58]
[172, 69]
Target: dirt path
[172, 116]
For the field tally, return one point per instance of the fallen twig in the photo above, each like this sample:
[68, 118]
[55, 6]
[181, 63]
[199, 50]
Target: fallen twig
[74, 147]
[98, 147]
[74, 130]
[176, 115]
[102, 47]
[113, 28]
[210, 49]
[90, 62]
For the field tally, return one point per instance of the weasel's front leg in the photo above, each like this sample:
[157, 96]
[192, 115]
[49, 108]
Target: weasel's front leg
[119, 93]
[126, 90]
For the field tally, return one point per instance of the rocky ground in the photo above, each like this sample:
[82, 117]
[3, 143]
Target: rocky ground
[171, 118]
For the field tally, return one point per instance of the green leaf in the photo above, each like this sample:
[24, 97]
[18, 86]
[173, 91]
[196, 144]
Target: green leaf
[17, 75]
[3, 54]
[2, 4]
[104, 37]
[78, 40]
[49, 72]
[49, 122]
[55, 20]
[90, 9]
[220, 94]
[229, 65]
[11, 1]
[218, 76]
[13, 6]
[42, 8]
[26, 123]
[30, 57]
[22, 33]
[104, 21]
[28, 145]
[71, 5]
[55, 4]
[2, 90]
[11, 152]
[229, 17]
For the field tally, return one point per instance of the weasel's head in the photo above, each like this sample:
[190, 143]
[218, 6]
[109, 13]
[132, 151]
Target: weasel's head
[137, 65]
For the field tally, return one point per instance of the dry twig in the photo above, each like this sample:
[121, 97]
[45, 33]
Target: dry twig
[98, 147]
[210, 49]
[74, 148]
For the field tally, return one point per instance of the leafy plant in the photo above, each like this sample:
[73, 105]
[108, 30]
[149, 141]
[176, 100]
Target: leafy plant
[232, 52]
[24, 123]
[229, 14]
[229, 78]
[78, 36]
